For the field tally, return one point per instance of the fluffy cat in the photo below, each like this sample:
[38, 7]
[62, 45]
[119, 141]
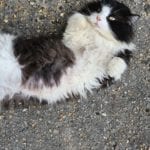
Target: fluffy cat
[95, 50]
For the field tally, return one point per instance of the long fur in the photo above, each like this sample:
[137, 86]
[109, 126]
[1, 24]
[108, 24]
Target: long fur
[53, 69]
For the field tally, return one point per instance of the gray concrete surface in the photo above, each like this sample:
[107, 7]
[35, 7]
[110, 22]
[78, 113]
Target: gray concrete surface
[117, 118]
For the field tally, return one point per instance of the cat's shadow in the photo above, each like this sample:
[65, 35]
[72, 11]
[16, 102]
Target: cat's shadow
[18, 102]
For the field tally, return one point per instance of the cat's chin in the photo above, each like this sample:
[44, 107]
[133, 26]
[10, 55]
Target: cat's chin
[98, 26]
[105, 34]
[95, 25]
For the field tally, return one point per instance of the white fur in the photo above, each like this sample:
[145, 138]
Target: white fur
[116, 68]
[94, 49]
[10, 72]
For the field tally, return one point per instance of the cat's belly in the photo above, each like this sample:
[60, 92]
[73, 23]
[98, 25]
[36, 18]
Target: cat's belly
[76, 81]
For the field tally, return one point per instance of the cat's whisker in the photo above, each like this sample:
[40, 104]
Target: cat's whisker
[117, 11]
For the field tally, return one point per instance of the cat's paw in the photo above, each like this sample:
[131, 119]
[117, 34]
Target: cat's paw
[77, 21]
[116, 68]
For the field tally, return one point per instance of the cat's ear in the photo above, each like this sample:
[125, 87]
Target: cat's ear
[134, 18]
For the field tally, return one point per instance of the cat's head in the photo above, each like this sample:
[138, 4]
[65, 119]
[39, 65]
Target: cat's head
[111, 18]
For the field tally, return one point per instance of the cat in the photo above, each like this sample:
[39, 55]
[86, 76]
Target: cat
[94, 50]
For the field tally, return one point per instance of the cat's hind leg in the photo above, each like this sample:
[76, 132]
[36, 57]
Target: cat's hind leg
[118, 64]
[76, 22]
[116, 68]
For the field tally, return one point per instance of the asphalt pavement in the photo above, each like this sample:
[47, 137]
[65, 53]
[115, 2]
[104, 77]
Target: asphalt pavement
[116, 118]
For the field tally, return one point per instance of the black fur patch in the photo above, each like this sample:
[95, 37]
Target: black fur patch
[122, 26]
[43, 58]
[126, 55]
[108, 2]
[90, 8]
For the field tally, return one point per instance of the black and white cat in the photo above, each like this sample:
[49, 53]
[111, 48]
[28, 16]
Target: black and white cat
[95, 48]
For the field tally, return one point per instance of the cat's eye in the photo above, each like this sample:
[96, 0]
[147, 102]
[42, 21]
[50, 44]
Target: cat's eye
[111, 18]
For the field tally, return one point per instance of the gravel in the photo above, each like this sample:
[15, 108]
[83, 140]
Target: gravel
[117, 118]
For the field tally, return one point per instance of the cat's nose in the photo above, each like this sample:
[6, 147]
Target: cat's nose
[98, 18]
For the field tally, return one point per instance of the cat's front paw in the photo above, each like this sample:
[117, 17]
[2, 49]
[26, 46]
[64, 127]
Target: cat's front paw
[116, 68]
[77, 21]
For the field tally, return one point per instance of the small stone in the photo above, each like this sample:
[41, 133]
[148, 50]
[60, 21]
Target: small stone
[104, 114]
[10, 117]
[62, 14]
[1, 117]
[32, 3]
[6, 20]
[34, 125]
[56, 131]
[24, 110]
